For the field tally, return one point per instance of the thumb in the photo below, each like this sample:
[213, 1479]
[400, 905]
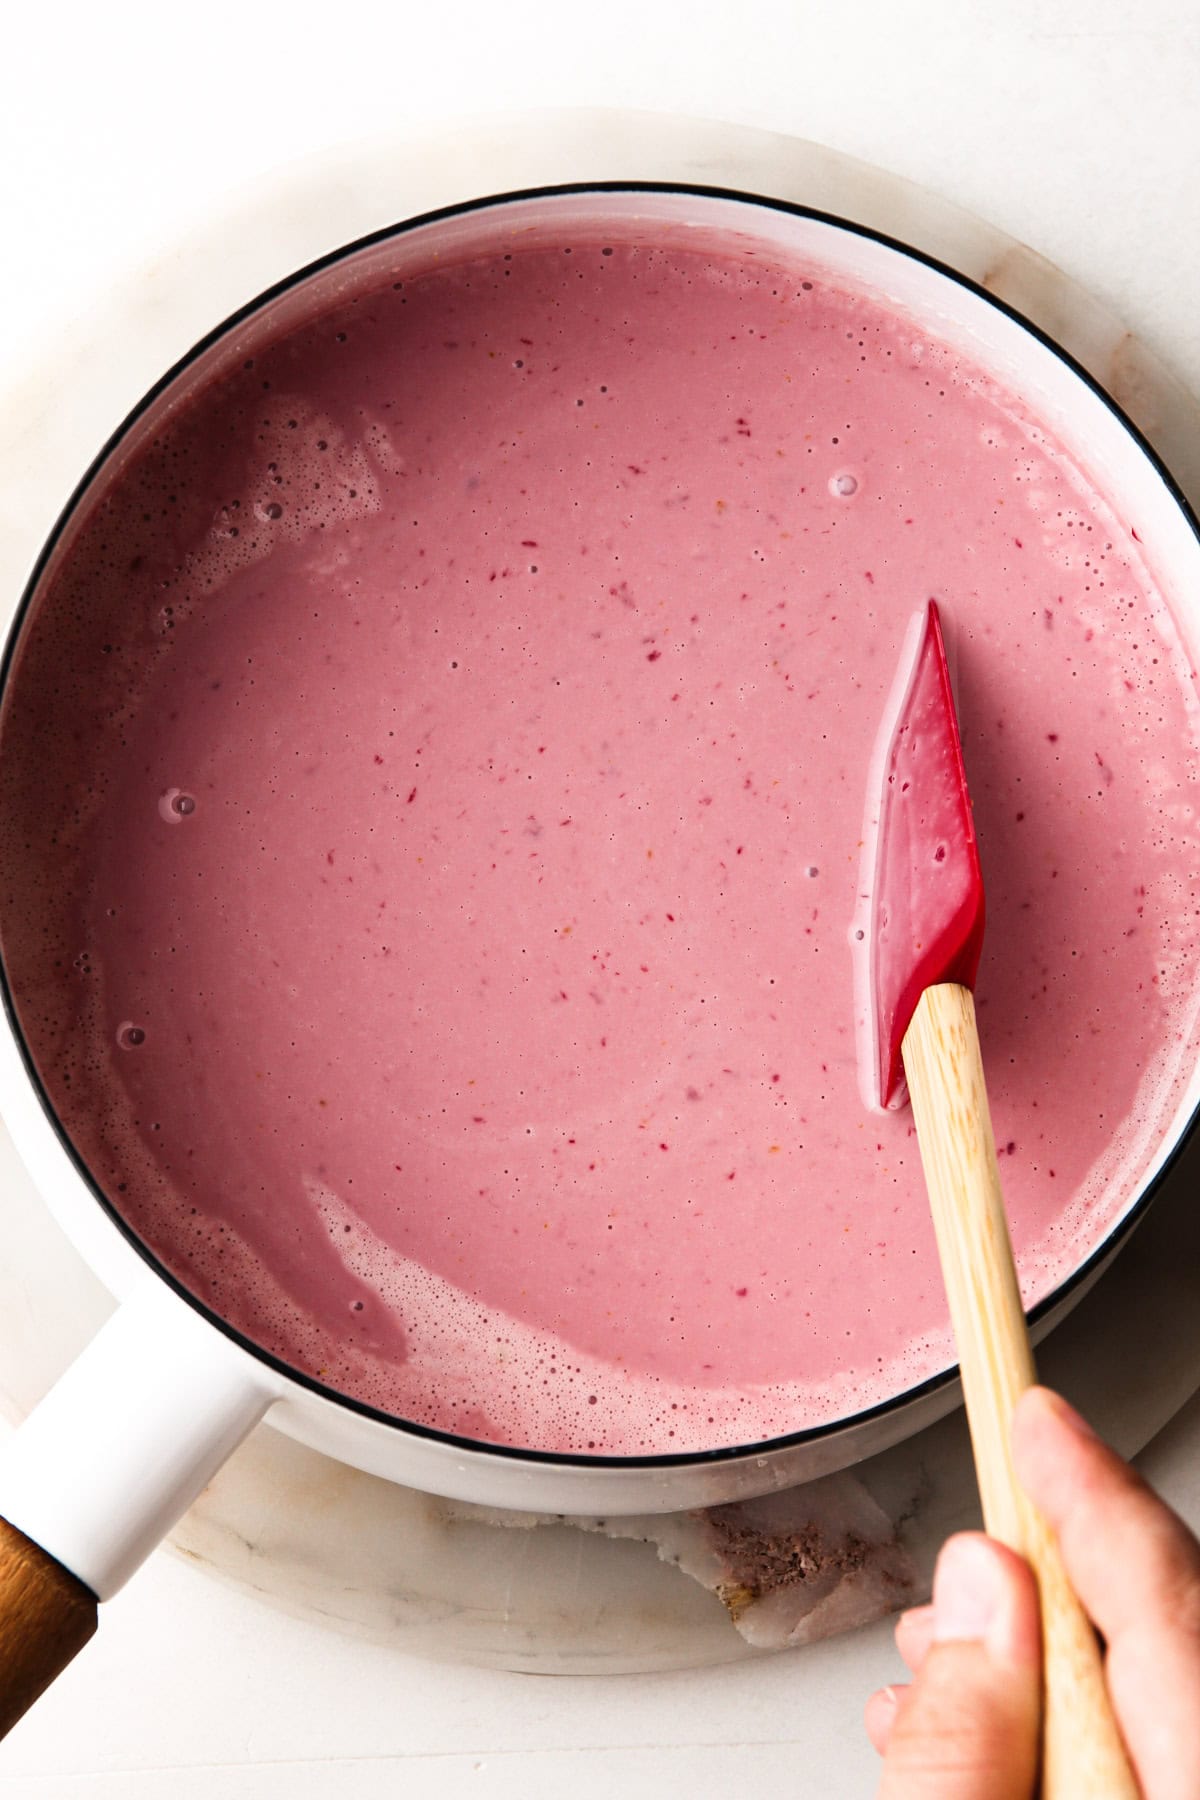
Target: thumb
[968, 1727]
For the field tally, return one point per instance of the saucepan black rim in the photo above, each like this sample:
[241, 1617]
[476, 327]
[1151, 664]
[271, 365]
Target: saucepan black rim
[909, 1397]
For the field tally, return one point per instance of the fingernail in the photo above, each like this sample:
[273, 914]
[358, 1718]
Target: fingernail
[1066, 1415]
[968, 1590]
[914, 1616]
[887, 1699]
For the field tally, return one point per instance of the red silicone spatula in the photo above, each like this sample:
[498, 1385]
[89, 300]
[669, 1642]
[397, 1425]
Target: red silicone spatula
[927, 929]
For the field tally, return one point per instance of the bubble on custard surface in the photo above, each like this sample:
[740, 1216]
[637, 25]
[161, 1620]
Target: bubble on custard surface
[130, 1036]
[843, 485]
[175, 805]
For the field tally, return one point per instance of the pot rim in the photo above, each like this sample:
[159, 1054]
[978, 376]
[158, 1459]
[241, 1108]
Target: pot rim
[1053, 1302]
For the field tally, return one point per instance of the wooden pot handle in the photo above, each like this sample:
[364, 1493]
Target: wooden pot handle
[1083, 1757]
[46, 1617]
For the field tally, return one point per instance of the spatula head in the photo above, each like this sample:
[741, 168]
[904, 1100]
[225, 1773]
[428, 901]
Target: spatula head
[927, 893]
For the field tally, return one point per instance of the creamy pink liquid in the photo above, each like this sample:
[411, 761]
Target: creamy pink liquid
[432, 833]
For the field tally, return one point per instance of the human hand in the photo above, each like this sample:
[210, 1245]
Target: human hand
[967, 1728]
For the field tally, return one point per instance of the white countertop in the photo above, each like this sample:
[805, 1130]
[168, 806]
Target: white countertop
[1074, 129]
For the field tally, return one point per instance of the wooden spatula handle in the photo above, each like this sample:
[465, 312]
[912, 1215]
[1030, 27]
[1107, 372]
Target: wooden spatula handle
[1082, 1752]
[46, 1617]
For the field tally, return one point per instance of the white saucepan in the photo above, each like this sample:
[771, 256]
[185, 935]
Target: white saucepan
[125, 1441]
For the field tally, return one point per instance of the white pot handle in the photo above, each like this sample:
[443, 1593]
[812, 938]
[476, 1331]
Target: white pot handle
[104, 1466]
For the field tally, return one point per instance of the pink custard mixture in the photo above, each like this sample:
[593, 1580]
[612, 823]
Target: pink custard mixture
[432, 800]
